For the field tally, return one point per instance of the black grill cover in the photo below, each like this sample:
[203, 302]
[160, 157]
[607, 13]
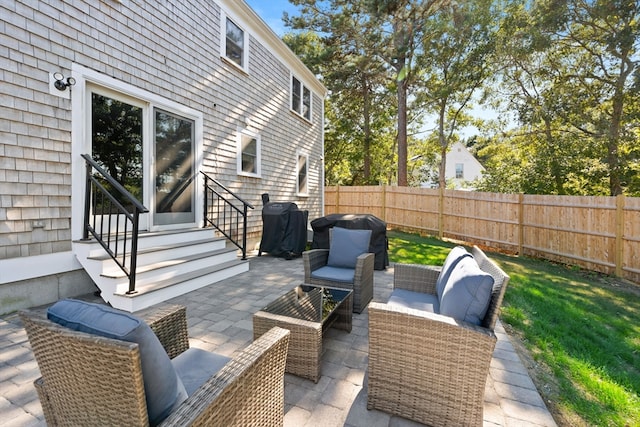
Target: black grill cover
[284, 229]
[379, 244]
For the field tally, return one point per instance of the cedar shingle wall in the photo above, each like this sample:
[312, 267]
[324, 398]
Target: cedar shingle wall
[171, 49]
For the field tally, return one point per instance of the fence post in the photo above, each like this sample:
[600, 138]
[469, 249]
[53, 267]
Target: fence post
[441, 213]
[520, 223]
[337, 199]
[384, 203]
[619, 256]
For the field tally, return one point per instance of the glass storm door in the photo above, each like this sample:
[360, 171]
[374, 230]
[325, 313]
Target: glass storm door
[174, 169]
[117, 140]
[150, 152]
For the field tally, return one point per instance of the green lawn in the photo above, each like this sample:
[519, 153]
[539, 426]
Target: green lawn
[581, 329]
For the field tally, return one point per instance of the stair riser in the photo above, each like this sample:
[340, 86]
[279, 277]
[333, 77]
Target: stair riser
[96, 249]
[167, 272]
[137, 303]
[179, 252]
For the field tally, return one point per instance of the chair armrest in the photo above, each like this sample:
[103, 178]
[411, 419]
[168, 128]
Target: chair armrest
[449, 363]
[417, 278]
[249, 390]
[364, 269]
[169, 323]
[313, 260]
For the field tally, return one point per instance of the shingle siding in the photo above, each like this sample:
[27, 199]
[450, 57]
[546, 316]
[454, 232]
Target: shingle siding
[171, 49]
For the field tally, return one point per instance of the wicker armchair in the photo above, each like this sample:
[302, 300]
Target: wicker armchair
[91, 380]
[428, 367]
[362, 282]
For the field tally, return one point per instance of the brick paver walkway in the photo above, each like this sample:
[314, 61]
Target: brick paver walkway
[220, 319]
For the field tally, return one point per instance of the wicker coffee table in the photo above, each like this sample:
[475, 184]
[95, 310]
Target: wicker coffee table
[307, 311]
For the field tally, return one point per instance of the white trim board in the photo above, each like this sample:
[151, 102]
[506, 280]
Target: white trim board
[17, 269]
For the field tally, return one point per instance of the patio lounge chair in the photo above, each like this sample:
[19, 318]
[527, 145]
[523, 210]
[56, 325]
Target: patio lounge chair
[347, 264]
[427, 366]
[89, 379]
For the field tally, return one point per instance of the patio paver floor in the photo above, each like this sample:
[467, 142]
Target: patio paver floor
[220, 319]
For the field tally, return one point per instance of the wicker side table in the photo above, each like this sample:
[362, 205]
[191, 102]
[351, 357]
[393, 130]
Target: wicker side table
[307, 311]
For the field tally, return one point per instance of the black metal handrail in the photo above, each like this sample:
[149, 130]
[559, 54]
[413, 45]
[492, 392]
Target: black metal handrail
[104, 206]
[226, 211]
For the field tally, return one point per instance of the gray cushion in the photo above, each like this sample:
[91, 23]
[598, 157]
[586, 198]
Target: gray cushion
[467, 293]
[346, 245]
[335, 274]
[455, 255]
[196, 366]
[415, 300]
[163, 389]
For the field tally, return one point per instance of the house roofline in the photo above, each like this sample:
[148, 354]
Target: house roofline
[263, 32]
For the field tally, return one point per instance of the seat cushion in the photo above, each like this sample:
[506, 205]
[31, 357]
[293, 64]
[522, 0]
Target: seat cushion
[346, 246]
[196, 366]
[416, 300]
[467, 292]
[334, 274]
[163, 389]
[455, 255]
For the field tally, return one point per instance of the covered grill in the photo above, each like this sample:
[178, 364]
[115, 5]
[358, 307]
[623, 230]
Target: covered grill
[284, 229]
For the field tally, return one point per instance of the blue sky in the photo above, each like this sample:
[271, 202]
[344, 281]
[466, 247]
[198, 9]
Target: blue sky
[271, 12]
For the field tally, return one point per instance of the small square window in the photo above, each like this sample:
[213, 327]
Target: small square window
[303, 173]
[248, 154]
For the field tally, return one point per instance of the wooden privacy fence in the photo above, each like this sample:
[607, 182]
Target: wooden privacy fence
[597, 233]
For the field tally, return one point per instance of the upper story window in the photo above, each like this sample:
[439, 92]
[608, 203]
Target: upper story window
[300, 98]
[459, 170]
[248, 155]
[234, 43]
[303, 172]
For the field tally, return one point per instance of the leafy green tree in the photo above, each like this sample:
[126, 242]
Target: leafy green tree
[402, 24]
[358, 113]
[455, 62]
[570, 70]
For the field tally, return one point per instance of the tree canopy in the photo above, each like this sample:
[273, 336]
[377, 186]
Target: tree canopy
[406, 77]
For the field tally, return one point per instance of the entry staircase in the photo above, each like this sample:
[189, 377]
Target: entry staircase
[135, 269]
[170, 264]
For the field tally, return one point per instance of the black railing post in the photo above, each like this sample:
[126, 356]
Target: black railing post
[100, 195]
[133, 262]
[244, 234]
[87, 203]
[226, 202]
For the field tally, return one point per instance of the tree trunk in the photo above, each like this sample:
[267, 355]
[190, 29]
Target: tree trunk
[402, 133]
[367, 131]
[442, 179]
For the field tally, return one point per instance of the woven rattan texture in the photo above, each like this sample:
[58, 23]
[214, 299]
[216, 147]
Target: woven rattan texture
[363, 280]
[305, 346]
[249, 390]
[427, 367]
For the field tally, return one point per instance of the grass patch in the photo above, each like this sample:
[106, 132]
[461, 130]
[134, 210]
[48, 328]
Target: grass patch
[581, 328]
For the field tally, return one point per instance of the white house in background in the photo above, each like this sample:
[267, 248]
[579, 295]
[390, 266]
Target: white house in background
[167, 92]
[461, 170]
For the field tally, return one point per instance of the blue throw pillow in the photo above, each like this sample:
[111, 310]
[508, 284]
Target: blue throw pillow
[467, 292]
[455, 255]
[163, 389]
[346, 246]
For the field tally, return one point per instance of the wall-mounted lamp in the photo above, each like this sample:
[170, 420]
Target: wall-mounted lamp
[61, 83]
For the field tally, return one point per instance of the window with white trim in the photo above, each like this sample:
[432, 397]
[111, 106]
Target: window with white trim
[300, 98]
[234, 46]
[303, 173]
[249, 158]
[459, 170]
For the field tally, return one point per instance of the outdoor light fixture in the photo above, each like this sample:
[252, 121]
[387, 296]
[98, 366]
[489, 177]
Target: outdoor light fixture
[61, 83]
